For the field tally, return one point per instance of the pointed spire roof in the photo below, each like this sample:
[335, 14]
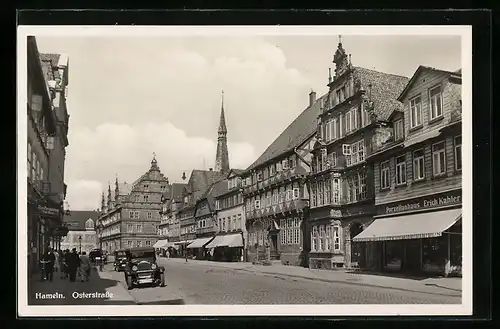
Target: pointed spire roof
[222, 122]
[154, 163]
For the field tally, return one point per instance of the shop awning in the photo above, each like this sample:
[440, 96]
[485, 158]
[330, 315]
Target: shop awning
[231, 240]
[199, 243]
[218, 239]
[422, 137]
[160, 243]
[183, 242]
[417, 226]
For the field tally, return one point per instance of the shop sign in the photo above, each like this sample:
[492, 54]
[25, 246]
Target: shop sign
[47, 211]
[434, 201]
[60, 231]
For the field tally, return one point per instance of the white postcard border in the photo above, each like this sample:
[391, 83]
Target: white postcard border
[465, 32]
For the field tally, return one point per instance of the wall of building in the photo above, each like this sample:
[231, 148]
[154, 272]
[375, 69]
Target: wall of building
[88, 242]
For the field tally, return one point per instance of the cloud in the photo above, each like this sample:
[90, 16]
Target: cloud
[98, 155]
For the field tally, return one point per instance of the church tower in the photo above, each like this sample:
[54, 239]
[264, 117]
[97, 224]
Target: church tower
[222, 155]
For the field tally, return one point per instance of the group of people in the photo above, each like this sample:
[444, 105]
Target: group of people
[67, 263]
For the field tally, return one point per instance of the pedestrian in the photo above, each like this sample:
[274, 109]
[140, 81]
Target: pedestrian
[57, 264]
[84, 267]
[73, 261]
[168, 254]
[50, 259]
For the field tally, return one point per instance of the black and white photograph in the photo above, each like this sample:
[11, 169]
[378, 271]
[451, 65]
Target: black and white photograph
[238, 170]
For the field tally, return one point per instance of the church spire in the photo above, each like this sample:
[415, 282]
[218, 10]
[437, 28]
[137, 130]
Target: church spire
[222, 156]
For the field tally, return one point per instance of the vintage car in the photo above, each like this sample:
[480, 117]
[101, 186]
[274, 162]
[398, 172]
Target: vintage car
[95, 254]
[120, 260]
[142, 268]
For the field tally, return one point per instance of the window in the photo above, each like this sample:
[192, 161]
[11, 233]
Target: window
[320, 193]
[146, 187]
[401, 170]
[288, 195]
[336, 237]
[259, 176]
[146, 198]
[139, 228]
[186, 199]
[438, 159]
[362, 186]
[314, 238]
[257, 204]
[346, 149]
[336, 191]
[313, 194]
[458, 153]
[332, 160]
[275, 197]
[418, 165]
[328, 237]
[148, 243]
[137, 198]
[326, 190]
[285, 164]
[399, 132]
[129, 243]
[296, 193]
[415, 112]
[385, 175]
[321, 238]
[328, 131]
[282, 232]
[131, 215]
[436, 103]
[150, 215]
[356, 153]
[130, 228]
[351, 120]
[138, 243]
[240, 224]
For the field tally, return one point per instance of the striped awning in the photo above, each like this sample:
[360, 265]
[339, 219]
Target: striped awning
[218, 239]
[231, 241]
[160, 243]
[199, 243]
[417, 226]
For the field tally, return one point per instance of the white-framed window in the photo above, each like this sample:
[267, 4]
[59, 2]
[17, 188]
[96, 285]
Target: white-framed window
[418, 165]
[146, 187]
[129, 244]
[399, 130]
[137, 198]
[385, 175]
[346, 149]
[401, 170]
[415, 112]
[336, 237]
[137, 243]
[272, 169]
[351, 120]
[150, 215]
[296, 193]
[357, 153]
[458, 152]
[335, 129]
[137, 215]
[284, 164]
[362, 186]
[282, 231]
[313, 194]
[328, 131]
[435, 102]
[131, 215]
[321, 246]
[336, 190]
[275, 197]
[146, 198]
[320, 194]
[148, 243]
[328, 231]
[314, 239]
[257, 204]
[130, 228]
[332, 160]
[326, 191]
[139, 228]
[259, 176]
[438, 159]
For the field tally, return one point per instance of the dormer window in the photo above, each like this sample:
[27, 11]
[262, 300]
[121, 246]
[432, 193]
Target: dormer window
[399, 132]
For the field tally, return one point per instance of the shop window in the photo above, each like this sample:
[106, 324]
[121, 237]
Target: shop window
[393, 255]
[434, 253]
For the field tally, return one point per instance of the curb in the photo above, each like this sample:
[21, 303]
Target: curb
[336, 280]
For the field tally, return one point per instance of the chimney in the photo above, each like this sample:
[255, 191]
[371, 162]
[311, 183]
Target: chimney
[312, 98]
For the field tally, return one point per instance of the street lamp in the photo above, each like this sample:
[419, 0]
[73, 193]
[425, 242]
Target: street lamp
[80, 240]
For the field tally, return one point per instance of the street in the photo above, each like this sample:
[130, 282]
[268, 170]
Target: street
[191, 283]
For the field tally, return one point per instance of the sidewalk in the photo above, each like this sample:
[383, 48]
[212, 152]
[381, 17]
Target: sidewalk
[437, 286]
[97, 291]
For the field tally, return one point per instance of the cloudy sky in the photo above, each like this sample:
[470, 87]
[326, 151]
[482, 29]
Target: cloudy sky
[132, 96]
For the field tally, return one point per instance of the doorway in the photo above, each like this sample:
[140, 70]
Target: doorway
[413, 256]
[357, 248]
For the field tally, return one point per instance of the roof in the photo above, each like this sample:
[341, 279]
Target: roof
[200, 181]
[77, 218]
[220, 188]
[174, 192]
[237, 172]
[419, 70]
[294, 135]
[385, 89]
[49, 62]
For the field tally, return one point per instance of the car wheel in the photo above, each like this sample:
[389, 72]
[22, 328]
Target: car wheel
[130, 285]
[162, 280]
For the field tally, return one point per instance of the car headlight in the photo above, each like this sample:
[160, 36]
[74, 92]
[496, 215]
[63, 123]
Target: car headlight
[153, 266]
[134, 268]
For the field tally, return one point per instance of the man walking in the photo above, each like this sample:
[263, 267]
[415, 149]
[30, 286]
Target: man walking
[49, 259]
[73, 261]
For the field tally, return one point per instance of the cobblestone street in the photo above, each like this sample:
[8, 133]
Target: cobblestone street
[195, 283]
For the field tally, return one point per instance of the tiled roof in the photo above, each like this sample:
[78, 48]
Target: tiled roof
[295, 134]
[237, 172]
[174, 192]
[77, 218]
[220, 188]
[49, 63]
[385, 89]
[200, 181]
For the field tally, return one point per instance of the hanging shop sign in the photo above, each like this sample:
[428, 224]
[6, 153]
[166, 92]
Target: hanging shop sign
[48, 211]
[60, 231]
[452, 198]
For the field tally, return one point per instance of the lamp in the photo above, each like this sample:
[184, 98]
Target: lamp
[80, 240]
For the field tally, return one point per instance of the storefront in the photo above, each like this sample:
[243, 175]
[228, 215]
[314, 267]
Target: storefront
[226, 248]
[197, 247]
[421, 235]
